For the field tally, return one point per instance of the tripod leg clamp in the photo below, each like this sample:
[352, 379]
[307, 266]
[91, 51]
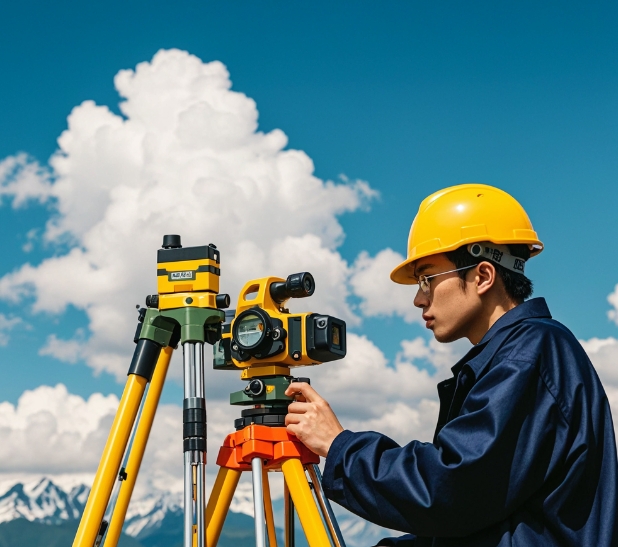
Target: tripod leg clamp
[145, 358]
[194, 424]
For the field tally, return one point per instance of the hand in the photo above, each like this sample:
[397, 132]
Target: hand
[311, 419]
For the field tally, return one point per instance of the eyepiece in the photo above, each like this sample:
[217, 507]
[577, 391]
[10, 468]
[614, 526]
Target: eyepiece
[298, 285]
[171, 241]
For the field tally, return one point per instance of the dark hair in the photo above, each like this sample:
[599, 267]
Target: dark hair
[517, 285]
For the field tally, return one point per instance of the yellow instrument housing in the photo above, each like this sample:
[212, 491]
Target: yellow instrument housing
[256, 293]
[188, 277]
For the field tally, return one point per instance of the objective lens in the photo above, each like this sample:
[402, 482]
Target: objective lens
[250, 330]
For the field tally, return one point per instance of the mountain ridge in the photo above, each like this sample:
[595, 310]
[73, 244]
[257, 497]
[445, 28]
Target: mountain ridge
[153, 520]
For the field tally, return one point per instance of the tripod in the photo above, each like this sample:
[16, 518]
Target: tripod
[186, 310]
[263, 448]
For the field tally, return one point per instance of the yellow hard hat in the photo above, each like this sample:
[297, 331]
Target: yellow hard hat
[463, 214]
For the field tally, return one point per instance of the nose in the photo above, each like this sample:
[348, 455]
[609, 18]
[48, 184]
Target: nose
[421, 300]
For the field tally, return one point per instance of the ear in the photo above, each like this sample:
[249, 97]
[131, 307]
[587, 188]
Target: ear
[485, 277]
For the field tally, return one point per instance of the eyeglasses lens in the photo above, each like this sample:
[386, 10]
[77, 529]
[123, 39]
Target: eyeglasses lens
[423, 283]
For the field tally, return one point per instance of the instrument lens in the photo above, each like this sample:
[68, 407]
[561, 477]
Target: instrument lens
[250, 330]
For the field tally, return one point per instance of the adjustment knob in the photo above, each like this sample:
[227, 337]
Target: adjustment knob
[171, 241]
[255, 388]
[303, 380]
[223, 301]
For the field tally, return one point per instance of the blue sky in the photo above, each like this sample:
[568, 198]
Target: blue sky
[409, 97]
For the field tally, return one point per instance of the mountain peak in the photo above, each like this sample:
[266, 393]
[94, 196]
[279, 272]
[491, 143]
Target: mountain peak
[42, 499]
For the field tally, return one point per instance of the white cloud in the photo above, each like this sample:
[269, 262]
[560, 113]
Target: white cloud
[52, 429]
[613, 300]
[69, 351]
[7, 324]
[68, 432]
[23, 179]
[603, 353]
[379, 296]
[186, 158]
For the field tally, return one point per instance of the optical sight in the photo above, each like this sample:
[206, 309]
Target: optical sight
[298, 285]
[264, 332]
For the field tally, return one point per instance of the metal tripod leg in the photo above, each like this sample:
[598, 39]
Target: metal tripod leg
[258, 503]
[268, 511]
[327, 511]
[289, 516]
[194, 444]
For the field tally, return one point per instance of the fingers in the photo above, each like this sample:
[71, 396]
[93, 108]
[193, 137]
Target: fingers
[292, 419]
[304, 389]
[298, 407]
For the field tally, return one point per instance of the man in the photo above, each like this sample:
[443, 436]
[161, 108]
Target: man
[524, 452]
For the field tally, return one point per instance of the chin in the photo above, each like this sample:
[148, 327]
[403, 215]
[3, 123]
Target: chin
[444, 337]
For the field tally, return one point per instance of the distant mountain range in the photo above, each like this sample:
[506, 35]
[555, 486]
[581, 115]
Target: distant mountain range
[42, 513]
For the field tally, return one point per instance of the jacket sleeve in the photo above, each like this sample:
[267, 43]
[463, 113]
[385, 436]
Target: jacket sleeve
[483, 465]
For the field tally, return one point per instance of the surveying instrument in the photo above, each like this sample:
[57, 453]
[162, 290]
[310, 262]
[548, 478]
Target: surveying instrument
[263, 340]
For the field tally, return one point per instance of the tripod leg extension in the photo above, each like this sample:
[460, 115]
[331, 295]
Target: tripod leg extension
[327, 511]
[219, 503]
[139, 446]
[268, 510]
[110, 461]
[289, 517]
[295, 478]
[258, 502]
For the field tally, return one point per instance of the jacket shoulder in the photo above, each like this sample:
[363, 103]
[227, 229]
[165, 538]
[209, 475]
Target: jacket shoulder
[560, 360]
[546, 338]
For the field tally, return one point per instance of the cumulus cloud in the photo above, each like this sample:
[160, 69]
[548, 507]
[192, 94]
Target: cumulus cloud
[7, 324]
[53, 429]
[23, 179]
[613, 300]
[185, 157]
[603, 353]
[69, 351]
[379, 296]
[55, 432]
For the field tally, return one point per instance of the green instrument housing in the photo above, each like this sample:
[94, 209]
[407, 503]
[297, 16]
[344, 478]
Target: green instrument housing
[192, 324]
[273, 394]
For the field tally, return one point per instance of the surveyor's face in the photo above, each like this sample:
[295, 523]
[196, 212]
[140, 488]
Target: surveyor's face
[448, 310]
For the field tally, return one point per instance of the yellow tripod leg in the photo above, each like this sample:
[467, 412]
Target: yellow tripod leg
[110, 461]
[307, 510]
[219, 503]
[139, 446]
[268, 511]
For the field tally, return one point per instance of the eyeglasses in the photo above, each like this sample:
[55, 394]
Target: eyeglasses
[424, 280]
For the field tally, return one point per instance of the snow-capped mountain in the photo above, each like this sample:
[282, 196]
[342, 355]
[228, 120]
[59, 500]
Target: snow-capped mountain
[41, 500]
[53, 501]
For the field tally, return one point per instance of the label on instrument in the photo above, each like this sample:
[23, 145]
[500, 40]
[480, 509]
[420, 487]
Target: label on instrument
[178, 276]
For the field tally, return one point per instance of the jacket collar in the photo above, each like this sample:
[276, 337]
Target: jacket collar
[534, 308]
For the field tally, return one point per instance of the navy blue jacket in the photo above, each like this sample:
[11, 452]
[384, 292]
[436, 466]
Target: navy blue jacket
[524, 452]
